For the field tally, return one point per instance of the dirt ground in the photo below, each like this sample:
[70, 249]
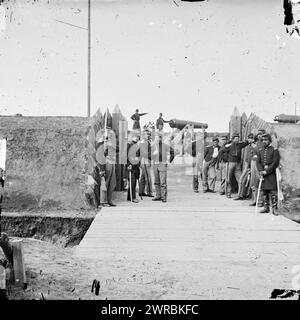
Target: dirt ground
[56, 272]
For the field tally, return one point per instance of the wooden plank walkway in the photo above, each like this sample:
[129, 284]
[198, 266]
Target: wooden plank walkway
[191, 228]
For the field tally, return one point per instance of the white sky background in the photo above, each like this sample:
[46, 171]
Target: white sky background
[194, 62]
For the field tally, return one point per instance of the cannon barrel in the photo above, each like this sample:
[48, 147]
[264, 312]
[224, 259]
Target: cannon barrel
[287, 118]
[180, 124]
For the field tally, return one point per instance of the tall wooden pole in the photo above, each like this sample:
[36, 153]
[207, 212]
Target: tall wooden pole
[89, 61]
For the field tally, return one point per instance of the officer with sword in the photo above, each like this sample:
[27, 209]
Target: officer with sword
[268, 159]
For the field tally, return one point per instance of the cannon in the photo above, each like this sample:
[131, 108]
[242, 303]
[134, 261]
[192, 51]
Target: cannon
[286, 118]
[180, 124]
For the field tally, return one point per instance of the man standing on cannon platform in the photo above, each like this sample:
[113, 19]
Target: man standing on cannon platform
[136, 121]
[268, 160]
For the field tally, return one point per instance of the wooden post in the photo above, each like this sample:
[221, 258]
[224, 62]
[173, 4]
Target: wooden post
[123, 139]
[116, 119]
[235, 125]
[18, 264]
[2, 278]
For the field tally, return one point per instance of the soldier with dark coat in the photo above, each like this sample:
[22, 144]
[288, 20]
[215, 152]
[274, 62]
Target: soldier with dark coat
[222, 163]
[106, 158]
[136, 120]
[268, 160]
[160, 122]
[145, 153]
[133, 168]
[244, 182]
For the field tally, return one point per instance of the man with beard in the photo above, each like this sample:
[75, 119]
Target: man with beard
[268, 160]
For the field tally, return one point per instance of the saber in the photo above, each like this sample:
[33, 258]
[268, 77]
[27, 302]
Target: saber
[130, 186]
[226, 179]
[258, 192]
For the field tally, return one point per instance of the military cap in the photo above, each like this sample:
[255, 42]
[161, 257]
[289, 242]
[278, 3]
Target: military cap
[267, 136]
[215, 139]
[235, 135]
[263, 131]
[250, 136]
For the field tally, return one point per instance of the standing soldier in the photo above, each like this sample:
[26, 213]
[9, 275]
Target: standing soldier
[193, 148]
[244, 182]
[268, 160]
[136, 121]
[160, 152]
[145, 153]
[106, 157]
[234, 161]
[222, 163]
[254, 174]
[160, 122]
[209, 171]
[133, 168]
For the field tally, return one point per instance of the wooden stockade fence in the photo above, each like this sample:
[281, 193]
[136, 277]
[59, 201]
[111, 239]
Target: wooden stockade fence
[118, 123]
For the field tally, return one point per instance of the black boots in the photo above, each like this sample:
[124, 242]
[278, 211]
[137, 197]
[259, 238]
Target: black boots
[274, 203]
[266, 208]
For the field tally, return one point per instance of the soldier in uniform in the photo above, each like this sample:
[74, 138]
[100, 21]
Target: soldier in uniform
[159, 153]
[193, 147]
[145, 153]
[136, 121]
[160, 122]
[209, 171]
[106, 158]
[222, 163]
[133, 168]
[268, 160]
[244, 182]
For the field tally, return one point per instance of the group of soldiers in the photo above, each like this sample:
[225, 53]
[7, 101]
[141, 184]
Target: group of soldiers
[255, 176]
[144, 151]
[254, 172]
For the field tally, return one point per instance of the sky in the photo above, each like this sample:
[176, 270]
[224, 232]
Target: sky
[192, 61]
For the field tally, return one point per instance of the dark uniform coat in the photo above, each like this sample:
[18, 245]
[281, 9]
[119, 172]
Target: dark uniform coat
[136, 120]
[268, 159]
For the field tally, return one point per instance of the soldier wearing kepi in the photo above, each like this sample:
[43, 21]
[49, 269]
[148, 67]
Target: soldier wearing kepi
[133, 168]
[222, 163]
[159, 153]
[268, 160]
[145, 153]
